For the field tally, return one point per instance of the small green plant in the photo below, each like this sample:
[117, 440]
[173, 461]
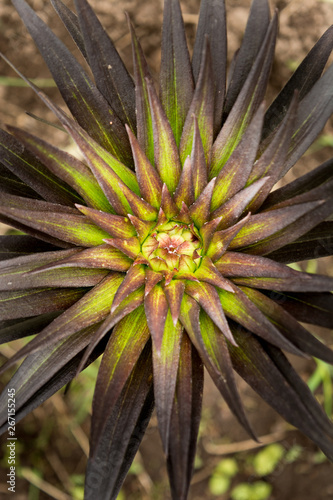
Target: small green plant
[259, 490]
[219, 482]
[165, 248]
[267, 459]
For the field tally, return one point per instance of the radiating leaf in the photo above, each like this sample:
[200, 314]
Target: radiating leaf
[212, 23]
[115, 225]
[186, 408]
[235, 173]
[247, 103]
[124, 348]
[111, 76]
[165, 367]
[32, 172]
[184, 191]
[92, 308]
[198, 162]
[314, 308]
[100, 257]
[143, 111]
[200, 209]
[71, 22]
[202, 107]
[176, 78]
[316, 243]
[174, 292]
[125, 426]
[134, 279]
[166, 155]
[149, 181]
[263, 225]
[67, 168]
[207, 296]
[83, 99]
[304, 78]
[38, 368]
[256, 28]
[75, 229]
[289, 327]
[14, 273]
[254, 364]
[156, 309]
[16, 329]
[22, 304]
[239, 308]
[12, 246]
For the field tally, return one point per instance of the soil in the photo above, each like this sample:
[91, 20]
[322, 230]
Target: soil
[49, 446]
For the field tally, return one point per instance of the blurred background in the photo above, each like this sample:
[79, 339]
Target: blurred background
[53, 442]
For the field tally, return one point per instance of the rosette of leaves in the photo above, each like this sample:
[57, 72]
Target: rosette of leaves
[166, 247]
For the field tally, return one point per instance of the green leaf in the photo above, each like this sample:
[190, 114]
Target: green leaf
[235, 173]
[92, 308]
[100, 257]
[263, 225]
[185, 191]
[134, 279]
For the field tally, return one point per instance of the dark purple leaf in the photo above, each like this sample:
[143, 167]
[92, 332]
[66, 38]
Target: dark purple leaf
[111, 77]
[113, 450]
[12, 246]
[247, 103]
[31, 171]
[185, 419]
[202, 107]
[72, 24]
[256, 28]
[176, 79]
[85, 102]
[212, 23]
[288, 326]
[304, 78]
[314, 308]
[259, 370]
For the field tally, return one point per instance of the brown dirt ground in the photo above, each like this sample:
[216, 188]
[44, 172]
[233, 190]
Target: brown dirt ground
[301, 24]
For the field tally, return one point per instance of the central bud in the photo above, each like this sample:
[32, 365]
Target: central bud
[173, 247]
